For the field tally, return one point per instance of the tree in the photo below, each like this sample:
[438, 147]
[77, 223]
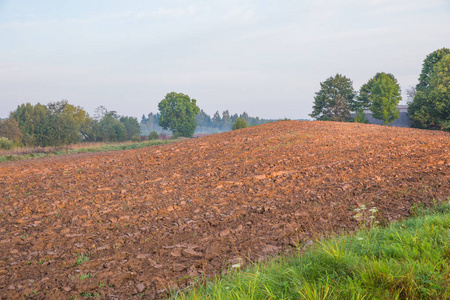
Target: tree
[427, 67]
[216, 120]
[226, 118]
[54, 124]
[203, 119]
[332, 101]
[10, 129]
[131, 126]
[384, 97]
[245, 117]
[111, 129]
[30, 119]
[240, 123]
[178, 114]
[64, 124]
[363, 100]
[430, 107]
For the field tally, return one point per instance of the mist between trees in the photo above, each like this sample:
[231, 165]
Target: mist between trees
[61, 123]
[206, 124]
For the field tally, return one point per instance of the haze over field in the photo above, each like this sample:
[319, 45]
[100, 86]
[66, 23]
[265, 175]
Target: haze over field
[264, 57]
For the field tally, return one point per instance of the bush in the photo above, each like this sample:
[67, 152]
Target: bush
[360, 117]
[153, 135]
[240, 123]
[136, 138]
[6, 144]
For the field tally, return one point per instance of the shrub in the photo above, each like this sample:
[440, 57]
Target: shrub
[360, 117]
[6, 144]
[153, 135]
[240, 123]
[136, 138]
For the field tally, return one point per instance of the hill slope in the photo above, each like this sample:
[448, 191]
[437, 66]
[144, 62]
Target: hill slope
[134, 221]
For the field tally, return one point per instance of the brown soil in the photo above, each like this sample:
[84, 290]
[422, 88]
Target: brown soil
[161, 216]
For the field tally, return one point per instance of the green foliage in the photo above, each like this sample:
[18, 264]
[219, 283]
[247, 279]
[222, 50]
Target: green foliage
[431, 105]
[333, 101]
[153, 135]
[365, 98]
[62, 124]
[111, 129]
[360, 117]
[381, 94]
[205, 124]
[131, 126]
[385, 96]
[427, 68]
[6, 144]
[407, 260]
[9, 129]
[58, 123]
[82, 258]
[240, 123]
[446, 126]
[178, 114]
[30, 119]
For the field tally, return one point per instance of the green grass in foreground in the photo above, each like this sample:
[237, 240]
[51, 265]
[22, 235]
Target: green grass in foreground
[407, 260]
[96, 148]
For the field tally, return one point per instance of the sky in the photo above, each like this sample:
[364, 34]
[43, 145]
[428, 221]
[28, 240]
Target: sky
[264, 57]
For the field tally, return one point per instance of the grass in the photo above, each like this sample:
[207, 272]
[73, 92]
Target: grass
[38, 152]
[406, 260]
[82, 258]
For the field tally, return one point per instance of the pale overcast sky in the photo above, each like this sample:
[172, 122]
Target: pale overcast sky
[264, 57]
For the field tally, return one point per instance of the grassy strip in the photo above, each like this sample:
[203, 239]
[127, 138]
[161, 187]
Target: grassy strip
[407, 260]
[97, 148]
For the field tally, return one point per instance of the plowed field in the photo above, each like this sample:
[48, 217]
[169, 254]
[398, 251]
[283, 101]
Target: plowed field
[130, 223]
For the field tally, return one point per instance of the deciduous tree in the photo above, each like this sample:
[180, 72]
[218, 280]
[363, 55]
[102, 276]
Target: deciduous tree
[427, 67]
[30, 119]
[384, 97]
[132, 126]
[332, 102]
[10, 129]
[54, 124]
[178, 114]
[430, 107]
[111, 129]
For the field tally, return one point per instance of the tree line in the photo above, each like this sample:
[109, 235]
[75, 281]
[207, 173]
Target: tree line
[61, 123]
[205, 123]
[428, 106]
